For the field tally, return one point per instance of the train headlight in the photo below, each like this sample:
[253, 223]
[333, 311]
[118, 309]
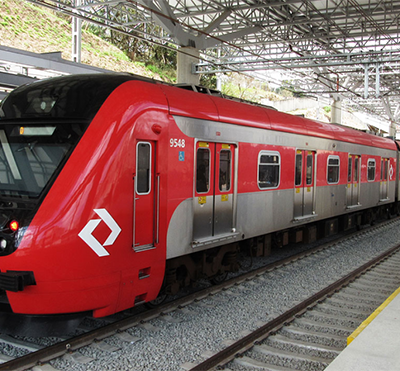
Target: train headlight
[3, 244]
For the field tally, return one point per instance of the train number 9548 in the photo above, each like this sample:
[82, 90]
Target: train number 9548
[177, 143]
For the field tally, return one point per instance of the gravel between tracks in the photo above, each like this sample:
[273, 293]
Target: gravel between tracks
[168, 342]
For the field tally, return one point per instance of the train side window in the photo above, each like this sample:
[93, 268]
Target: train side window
[225, 170]
[371, 170]
[143, 168]
[299, 165]
[333, 169]
[269, 164]
[203, 170]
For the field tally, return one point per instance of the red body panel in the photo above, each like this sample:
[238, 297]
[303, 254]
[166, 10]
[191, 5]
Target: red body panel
[70, 276]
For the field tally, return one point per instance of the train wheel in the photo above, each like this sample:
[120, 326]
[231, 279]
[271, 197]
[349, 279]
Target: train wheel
[157, 301]
[219, 278]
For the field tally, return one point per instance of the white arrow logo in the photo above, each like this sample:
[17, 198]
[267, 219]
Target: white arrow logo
[86, 232]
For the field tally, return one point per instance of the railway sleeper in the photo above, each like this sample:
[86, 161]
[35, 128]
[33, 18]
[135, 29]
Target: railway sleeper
[274, 352]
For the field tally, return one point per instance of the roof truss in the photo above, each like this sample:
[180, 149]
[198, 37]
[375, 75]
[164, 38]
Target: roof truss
[349, 49]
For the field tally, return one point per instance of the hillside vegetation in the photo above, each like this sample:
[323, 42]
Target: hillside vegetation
[37, 29]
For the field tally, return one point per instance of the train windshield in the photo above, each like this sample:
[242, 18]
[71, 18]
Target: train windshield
[30, 156]
[41, 123]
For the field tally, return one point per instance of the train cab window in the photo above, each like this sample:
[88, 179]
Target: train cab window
[269, 164]
[203, 170]
[143, 168]
[371, 170]
[298, 171]
[225, 170]
[333, 169]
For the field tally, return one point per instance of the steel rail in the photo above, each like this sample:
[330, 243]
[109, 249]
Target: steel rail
[57, 350]
[261, 333]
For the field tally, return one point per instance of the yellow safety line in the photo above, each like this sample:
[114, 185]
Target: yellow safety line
[372, 317]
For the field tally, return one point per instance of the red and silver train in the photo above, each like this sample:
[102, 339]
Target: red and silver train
[114, 188]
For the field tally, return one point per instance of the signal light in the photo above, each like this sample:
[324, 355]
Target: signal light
[14, 225]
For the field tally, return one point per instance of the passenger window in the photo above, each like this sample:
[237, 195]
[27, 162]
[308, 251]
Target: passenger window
[225, 170]
[371, 170]
[143, 168]
[269, 164]
[333, 169]
[299, 163]
[203, 170]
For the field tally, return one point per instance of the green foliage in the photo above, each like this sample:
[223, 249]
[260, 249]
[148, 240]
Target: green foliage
[209, 81]
[327, 109]
[158, 59]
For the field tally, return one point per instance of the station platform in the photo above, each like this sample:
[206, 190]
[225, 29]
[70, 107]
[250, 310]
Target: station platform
[375, 345]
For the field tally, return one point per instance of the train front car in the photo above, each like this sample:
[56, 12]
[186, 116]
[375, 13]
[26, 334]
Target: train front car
[67, 165]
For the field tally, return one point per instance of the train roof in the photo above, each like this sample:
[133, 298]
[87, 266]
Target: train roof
[67, 100]
[215, 108]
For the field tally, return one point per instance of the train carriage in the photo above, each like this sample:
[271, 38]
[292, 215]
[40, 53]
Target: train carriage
[114, 188]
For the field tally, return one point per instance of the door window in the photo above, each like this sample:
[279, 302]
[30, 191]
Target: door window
[225, 170]
[356, 177]
[299, 163]
[143, 168]
[349, 169]
[203, 170]
[309, 177]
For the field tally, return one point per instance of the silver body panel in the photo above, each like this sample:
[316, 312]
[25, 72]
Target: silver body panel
[353, 194]
[212, 217]
[203, 210]
[263, 212]
[223, 217]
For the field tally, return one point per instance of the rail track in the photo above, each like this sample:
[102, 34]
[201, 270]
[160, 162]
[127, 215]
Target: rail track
[37, 354]
[314, 332]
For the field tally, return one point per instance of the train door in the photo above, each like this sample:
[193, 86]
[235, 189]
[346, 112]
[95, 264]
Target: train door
[384, 178]
[304, 183]
[353, 180]
[214, 188]
[145, 193]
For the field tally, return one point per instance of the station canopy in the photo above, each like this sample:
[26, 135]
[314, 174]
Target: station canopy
[347, 49]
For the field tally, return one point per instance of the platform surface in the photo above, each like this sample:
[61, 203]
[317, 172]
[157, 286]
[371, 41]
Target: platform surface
[377, 347]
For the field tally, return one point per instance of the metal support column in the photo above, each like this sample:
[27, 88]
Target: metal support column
[366, 81]
[76, 35]
[336, 112]
[185, 61]
[377, 80]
